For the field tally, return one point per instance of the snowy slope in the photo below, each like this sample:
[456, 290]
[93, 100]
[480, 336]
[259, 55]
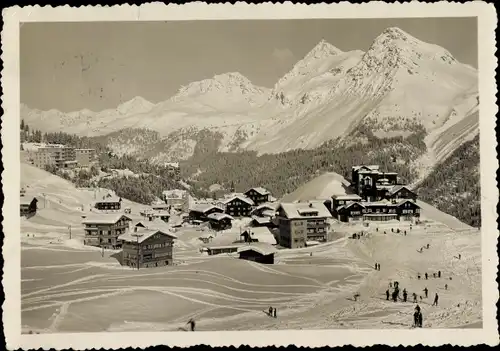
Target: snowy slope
[320, 188]
[397, 86]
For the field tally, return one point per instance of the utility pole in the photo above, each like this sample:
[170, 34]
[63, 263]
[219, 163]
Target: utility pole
[138, 261]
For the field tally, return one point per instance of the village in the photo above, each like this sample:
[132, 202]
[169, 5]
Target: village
[252, 224]
[350, 234]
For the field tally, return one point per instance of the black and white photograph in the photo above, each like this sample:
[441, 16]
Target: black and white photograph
[256, 174]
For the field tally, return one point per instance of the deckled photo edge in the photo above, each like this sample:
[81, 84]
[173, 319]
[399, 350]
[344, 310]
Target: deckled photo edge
[11, 176]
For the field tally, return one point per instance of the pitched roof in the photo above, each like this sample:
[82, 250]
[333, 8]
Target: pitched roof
[108, 198]
[26, 199]
[262, 248]
[271, 206]
[219, 216]
[204, 208]
[347, 197]
[143, 234]
[403, 201]
[349, 204]
[239, 197]
[397, 188]
[260, 190]
[297, 210]
[261, 220]
[262, 234]
[104, 218]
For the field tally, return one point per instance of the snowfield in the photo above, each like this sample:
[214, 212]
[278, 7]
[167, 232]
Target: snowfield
[67, 287]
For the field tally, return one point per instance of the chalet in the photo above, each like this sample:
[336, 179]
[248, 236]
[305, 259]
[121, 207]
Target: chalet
[221, 249]
[379, 211]
[264, 210]
[220, 221]
[260, 235]
[341, 200]
[261, 253]
[162, 215]
[364, 180]
[398, 192]
[238, 206]
[109, 203]
[145, 247]
[200, 212]
[300, 222]
[27, 205]
[407, 210]
[102, 230]
[350, 212]
[258, 195]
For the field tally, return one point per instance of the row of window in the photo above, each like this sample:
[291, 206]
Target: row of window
[156, 246]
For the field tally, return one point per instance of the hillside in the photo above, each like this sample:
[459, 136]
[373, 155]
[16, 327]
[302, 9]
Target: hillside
[454, 186]
[321, 187]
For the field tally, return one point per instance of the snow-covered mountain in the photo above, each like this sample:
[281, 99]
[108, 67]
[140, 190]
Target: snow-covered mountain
[399, 85]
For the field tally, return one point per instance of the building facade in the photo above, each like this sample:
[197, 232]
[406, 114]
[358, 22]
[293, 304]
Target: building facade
[257, 253]
[85, 157]
[220, 221]
[364, 181]
[111, 203]
[239, 206]
[144, 247]
[302, 222]
[258, 195]
[57, 155]
[103, 230]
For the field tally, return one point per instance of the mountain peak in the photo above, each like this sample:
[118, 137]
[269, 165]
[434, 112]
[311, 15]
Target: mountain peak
[227, 83]
[323, 49]
[136, 104]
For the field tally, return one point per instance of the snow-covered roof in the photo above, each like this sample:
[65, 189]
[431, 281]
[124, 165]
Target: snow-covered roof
[353, 197]
[108, 198]
[269, 213]
[262, 248]
[397, 188]
[143, 234]
[239, 197]
[268, 205]
[153, 225]
[219, 216]
[298, 210]
[204, 208]
[260, 190]
[262, 235]
[349, 204]
[104, 218]
[261, 220]
[370, 167]
[172, 164]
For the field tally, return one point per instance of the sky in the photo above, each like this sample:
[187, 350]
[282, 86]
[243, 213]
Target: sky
[70, 66]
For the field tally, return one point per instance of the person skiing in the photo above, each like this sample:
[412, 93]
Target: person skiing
[387, 294]
[378, 266]
[426, 292]
[434, 275]
[459, 256]
[435, 303]
[405, 295]
[192, 323]
[428, 245]
[439, 274]
[275, 312]
[446, 287]
[420, 319]
[426, 276]
[418, 276]
[270, 311]
[414, 297]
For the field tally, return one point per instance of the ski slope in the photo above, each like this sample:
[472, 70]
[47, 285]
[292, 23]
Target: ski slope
[67, 287]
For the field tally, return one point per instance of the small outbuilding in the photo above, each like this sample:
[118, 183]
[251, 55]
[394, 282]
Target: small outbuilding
[220, 221]
[258, 252]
